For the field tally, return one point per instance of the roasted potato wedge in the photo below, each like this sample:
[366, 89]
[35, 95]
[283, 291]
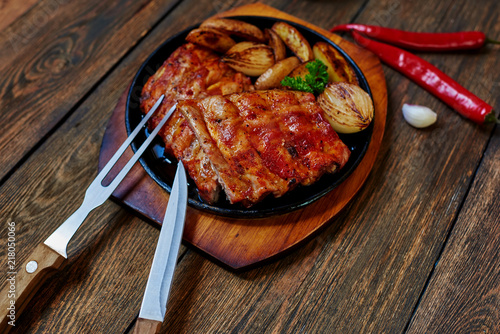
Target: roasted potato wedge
[273, 76]
[294, 40]
[347, 107]
[211, 38]
[250, 58]
[300, 71]
[276, 43]
[339, 69]
[238, 28]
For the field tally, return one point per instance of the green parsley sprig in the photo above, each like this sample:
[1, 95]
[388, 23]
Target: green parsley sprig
[314, 82]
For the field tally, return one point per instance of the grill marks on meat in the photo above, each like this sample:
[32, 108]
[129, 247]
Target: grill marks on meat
[190, 72]
[236, 188]
[316, 145]
[218, 127]
[264, 142]
[265, 134]
[184, 146]
[289, 131]
[226, 128]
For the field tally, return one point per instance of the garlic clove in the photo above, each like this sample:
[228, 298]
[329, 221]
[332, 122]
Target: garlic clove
[419, 116]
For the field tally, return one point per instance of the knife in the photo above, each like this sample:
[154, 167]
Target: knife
[154, 302]
[50, 256]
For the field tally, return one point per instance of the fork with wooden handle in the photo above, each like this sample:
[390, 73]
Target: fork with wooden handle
[51, 255]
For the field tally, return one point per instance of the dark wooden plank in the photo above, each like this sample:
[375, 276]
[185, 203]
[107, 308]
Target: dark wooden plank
[214, 300]
[53, 55]
[366, 272]
[463, 294]
[10, 10]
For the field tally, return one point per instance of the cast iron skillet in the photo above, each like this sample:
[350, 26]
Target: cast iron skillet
[162, 167]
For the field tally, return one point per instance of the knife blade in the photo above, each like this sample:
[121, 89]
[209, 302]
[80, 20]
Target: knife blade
[50, 256]
[154, 302]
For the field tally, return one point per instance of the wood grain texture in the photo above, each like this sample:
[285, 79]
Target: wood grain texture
[214, 300]
[146, 326]
[41, 264]
[10, 10]
[463, 295]
[53, 56]
[241, 243]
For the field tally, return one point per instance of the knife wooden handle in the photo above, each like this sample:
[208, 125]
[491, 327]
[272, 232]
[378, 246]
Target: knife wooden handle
[23, 284]
[146, 326]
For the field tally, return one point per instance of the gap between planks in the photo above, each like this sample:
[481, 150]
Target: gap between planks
[450, 230]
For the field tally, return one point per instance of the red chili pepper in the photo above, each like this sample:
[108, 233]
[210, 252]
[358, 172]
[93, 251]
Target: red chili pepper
[421, 41]
[432, 79]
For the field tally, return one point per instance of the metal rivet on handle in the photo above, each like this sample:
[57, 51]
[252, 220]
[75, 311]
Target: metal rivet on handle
[31, 267]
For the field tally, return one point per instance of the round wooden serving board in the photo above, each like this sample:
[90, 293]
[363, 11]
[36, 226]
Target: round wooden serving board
[242, 243]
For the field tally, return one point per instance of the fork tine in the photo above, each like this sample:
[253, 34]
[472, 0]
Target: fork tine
[112, 186]
[127, 142]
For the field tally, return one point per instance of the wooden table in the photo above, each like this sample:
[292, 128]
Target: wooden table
[416, 251]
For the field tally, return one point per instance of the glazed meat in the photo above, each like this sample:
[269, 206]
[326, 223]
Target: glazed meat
[190, 72]
[289, 131]
[251, 144]
[222, 135]
[264, 142]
